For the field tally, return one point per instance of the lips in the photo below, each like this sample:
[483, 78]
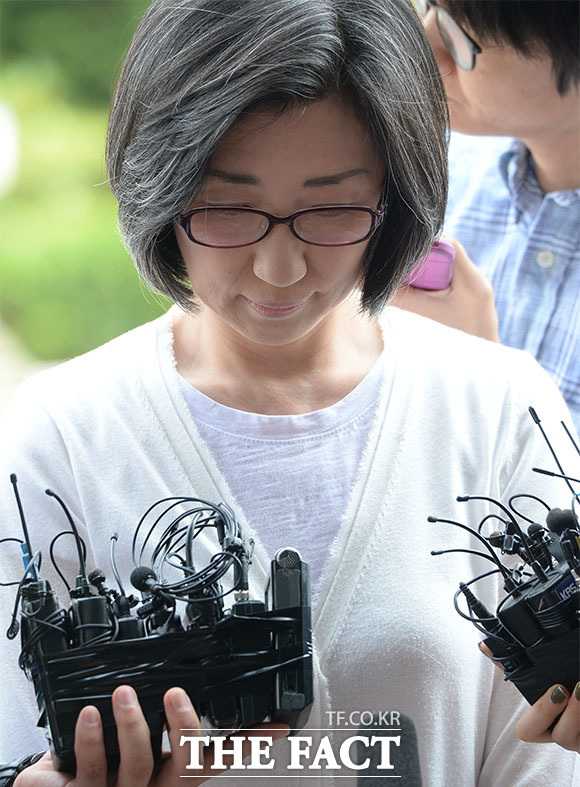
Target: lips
[276, 309]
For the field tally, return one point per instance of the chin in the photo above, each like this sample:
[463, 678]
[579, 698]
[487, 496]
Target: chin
[473, 126]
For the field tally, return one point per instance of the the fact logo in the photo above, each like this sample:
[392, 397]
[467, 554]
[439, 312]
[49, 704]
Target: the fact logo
[303, 754]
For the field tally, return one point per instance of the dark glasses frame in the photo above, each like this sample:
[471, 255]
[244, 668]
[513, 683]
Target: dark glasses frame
[377, 216]
[441, 13]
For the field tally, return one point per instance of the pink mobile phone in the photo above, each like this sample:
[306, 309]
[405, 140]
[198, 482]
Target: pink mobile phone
[434, 271]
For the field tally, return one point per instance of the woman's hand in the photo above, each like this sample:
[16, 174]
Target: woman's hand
[466, 304]
[535, 724]
[136, 766]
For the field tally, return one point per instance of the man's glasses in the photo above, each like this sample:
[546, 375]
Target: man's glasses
[460, 46]
[231, 227]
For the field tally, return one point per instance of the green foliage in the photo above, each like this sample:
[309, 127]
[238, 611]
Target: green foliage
[81, 42]
[67, 284]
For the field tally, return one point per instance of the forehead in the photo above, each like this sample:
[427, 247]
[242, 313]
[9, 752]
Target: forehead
[312, 139]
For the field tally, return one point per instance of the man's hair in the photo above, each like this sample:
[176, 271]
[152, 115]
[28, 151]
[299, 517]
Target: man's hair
[531, 27]
[197, 66]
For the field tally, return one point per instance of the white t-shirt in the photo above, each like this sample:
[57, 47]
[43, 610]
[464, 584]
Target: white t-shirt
[314, 451]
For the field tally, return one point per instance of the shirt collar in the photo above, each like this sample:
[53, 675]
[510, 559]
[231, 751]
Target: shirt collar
[519, 174]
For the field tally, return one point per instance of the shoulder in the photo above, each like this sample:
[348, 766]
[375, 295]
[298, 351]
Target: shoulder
[471, 397]
[85, 385]
[465, 369]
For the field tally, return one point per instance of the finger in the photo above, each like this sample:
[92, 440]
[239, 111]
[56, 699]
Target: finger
[566, 732]
[90, 749]
[136, 764]
[42, 774]
[534, 726]
[187, 754]
[182, 723]
[463, 266]
[487, 652]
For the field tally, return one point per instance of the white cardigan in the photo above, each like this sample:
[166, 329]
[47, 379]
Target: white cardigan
[111, 433]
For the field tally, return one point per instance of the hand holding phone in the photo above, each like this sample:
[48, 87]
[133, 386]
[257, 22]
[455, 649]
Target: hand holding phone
[435, 270]
[468, 304]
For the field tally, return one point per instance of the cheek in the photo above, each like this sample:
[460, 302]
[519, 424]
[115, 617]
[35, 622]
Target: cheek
[341, 261]
[208, 269]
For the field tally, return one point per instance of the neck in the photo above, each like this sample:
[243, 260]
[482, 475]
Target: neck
[306, 375]
[557, 160]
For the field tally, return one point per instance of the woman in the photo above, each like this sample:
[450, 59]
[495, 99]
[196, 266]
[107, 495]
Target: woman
[274, 386]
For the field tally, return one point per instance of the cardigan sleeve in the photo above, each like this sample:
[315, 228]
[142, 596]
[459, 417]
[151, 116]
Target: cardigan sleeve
[506, 759]
[33, 449]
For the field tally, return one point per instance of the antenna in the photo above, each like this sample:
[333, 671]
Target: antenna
[569, 433]
[556, 475]
[29, 563]
[82, 567]
[536, 420]
[114, 539]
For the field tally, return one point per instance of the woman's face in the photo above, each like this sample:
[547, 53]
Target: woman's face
[280, 289]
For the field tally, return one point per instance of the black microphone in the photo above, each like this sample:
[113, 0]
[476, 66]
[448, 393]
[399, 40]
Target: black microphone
[543, 546]
[404, 756]
[144, 579]
[559, 520]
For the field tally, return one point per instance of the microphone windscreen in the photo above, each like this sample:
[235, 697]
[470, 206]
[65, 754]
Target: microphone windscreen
[404, 758]
[139, 577]
[534, 528]
[96, 576]
[559, 520]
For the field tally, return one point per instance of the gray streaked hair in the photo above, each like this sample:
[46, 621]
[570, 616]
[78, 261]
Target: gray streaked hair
[196, 66]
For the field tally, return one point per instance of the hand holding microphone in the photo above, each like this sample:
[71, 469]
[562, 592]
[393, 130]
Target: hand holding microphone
[554, 718]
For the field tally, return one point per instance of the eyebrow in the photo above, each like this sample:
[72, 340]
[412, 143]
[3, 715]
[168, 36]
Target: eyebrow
[243, 179]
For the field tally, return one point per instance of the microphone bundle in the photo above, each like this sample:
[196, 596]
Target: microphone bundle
[534, 633]
[238, 666]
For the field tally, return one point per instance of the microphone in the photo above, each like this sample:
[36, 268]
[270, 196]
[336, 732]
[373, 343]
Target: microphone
[559, 520]
[403, 757]
[144, 579]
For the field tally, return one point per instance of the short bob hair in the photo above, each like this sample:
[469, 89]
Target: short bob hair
[549, 27]
[196, 66]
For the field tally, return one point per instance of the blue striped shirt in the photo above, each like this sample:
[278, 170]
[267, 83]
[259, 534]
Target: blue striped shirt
[527, 243]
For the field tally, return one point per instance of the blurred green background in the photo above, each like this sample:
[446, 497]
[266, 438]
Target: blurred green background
[66, 282]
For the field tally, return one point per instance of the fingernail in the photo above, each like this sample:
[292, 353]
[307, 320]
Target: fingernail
[90, 716]
[125, 697]
[179, 700]
[577, 691]
[558, 695]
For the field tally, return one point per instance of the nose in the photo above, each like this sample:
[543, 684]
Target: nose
[280, 258]
[445, 62]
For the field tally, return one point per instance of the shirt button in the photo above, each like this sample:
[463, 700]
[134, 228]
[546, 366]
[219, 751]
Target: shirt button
[545, 258]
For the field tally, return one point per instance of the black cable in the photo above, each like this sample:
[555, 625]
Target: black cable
[466, 551]
[491, 516]
[52, 558]
[477, 535]
[530, 497]
[465, 498]
[79, 541]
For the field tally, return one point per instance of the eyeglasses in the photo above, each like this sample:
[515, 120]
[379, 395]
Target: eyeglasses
[227, 227]
[460, 46]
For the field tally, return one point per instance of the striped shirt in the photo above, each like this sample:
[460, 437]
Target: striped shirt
[527, 243]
